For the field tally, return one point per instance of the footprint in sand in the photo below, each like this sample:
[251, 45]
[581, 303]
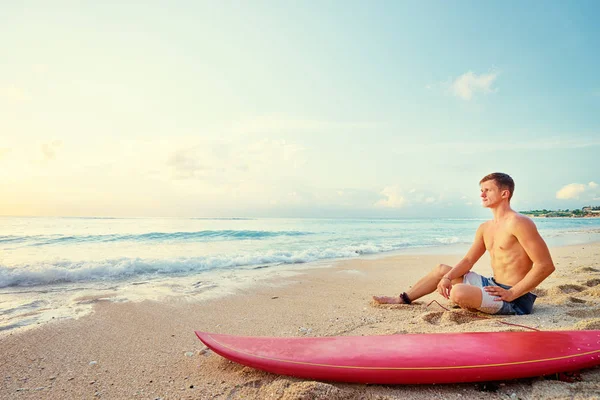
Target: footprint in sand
[556, 294]
[592, 282]
[432, 317]
[457, 317]
[439, 317]
[576, 300]
[585, 313]
[570, 288]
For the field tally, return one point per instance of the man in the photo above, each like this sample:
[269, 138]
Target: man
[519, 256]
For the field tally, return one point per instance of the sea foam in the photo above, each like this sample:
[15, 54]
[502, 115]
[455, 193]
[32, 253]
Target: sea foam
[42, 273]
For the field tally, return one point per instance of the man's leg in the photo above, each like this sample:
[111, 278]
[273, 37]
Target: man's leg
[466, 296]
[427, 284]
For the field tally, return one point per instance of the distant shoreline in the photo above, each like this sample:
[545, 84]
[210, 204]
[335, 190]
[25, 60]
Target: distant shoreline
[585, 212]
[561, 216]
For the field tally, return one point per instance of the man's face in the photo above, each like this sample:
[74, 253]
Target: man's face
[491, 195]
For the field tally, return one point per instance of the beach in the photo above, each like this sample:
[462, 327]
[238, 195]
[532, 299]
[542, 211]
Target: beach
[147, 349]
[179, 176]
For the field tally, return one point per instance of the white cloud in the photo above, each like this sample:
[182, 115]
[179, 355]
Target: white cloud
[393, 198]
[228, 161]
[571, 191]
[577, 190]
[469, 84]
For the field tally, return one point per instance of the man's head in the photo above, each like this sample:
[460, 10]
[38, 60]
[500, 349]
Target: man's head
[496, 186]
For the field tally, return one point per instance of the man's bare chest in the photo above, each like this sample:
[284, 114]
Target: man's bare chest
[498, 240]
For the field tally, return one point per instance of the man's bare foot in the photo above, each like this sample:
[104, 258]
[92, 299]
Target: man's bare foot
[388, 300]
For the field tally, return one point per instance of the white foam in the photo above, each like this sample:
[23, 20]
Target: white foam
[449, 240]
[124, 268]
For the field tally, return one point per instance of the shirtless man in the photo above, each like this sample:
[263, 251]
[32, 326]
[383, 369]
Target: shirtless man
[519, 256]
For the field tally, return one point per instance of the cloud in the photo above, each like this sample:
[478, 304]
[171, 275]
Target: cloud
[571, 191]
[393, 198]
[227, 161]
[49, 149]
[469, 84]
[593, 185]
[185, 164]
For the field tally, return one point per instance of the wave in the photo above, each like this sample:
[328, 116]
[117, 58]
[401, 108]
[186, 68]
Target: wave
[224, 219]
[75, 217]
[464, 219]
[449, 240]
[207, 235]
[124, 268]
[117, 269]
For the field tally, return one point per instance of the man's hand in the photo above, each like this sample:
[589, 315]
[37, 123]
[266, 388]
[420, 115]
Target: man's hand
[501, 294]
[444, 287]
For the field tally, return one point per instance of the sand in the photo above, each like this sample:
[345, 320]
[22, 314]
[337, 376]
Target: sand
[148, 350]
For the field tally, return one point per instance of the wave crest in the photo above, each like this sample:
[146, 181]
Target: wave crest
[207, 235]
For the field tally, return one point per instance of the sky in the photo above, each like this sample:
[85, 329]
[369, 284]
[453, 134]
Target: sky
[296, 109]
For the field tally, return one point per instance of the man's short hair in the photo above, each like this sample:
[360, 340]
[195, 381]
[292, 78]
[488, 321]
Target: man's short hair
[503, 181]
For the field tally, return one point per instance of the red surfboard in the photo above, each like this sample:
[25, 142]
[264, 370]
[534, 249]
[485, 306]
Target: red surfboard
[414, 358]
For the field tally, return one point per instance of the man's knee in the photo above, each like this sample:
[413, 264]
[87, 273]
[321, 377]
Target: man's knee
[458, 295]
[442, 269]
[465, 296]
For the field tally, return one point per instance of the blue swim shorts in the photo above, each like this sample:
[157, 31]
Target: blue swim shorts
[520, 306]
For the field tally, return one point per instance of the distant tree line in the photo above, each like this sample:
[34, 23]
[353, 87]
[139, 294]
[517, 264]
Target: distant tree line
[587, 211]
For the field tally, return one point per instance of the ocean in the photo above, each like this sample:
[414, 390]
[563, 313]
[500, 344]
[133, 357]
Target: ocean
[47, 265]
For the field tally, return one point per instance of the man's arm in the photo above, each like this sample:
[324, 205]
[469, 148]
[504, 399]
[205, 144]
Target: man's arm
[473, 255]
[528, 236]
[475, 252]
